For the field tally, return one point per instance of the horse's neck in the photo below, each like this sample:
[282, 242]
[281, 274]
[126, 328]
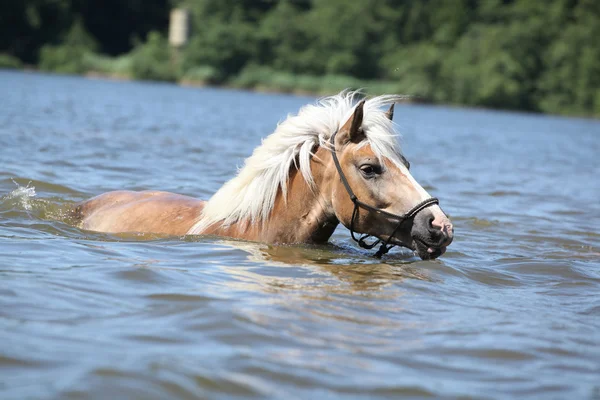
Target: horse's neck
[305, 216]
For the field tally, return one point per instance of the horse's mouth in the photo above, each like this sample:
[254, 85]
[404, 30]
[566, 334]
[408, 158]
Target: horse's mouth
[427, 251]
[423, 249]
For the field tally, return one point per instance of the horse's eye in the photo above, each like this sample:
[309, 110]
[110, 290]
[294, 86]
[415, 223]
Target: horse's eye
[369, 170]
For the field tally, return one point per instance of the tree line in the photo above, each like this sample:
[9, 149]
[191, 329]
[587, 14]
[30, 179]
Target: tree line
[514, 54]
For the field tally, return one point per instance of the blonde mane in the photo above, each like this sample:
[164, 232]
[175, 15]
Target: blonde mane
[250, 196]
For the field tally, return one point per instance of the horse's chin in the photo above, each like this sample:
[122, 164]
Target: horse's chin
[427, 252]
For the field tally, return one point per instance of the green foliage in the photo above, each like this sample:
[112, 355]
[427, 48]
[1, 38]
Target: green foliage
[252, 76]
[62, 59]
[284, 43]
[69, 57]
[416, 70]
[153, 60]
[225, 37]
[481, 71]
[517, 54]
[202, 75]
[570, 82]
[493, 53]
[28, 25]
[116, 67]
[268, 79]
[8, 61]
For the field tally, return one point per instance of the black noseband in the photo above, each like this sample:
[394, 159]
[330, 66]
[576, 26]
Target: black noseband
[385, 246]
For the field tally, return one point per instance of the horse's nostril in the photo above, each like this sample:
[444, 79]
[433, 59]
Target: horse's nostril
[430, 222]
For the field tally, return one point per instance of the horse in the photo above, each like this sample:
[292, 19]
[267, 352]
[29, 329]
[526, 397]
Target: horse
[335, 161]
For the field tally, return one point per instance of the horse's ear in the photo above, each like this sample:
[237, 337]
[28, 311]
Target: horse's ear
[351, 131]
[390, 113]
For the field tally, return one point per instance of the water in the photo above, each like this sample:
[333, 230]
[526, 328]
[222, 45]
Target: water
[511, 310]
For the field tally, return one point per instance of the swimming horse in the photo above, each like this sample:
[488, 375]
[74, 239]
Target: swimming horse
[335, 161]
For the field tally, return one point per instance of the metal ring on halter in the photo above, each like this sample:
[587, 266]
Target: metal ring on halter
[385, 246]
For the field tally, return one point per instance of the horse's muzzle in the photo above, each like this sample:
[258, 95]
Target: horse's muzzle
[431, 236]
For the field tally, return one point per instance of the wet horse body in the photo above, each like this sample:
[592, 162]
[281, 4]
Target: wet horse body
[289, 190]
[175, 214]
[145, 211]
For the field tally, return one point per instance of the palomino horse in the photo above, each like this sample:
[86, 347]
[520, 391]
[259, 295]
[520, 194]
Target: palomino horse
[335, 161]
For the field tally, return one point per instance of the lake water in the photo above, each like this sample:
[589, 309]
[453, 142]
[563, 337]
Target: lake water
[511, 310]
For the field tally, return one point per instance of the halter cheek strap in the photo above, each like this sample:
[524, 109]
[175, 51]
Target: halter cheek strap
[385, 246]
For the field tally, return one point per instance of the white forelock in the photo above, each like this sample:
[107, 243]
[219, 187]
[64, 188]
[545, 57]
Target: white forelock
[250, 196]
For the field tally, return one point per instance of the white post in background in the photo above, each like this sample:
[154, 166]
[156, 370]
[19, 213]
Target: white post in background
[179, 33]
[179, 27]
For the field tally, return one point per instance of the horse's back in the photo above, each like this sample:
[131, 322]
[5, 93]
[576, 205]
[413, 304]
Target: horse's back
[146, 211]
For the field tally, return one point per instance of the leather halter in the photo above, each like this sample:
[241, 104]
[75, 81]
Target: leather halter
[385, 246]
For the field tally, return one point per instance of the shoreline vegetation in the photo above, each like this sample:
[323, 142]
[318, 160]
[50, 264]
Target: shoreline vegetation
[252, 80]
[155, 61]
[521, 55]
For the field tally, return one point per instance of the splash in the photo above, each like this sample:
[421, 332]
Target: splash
[22, 195]
[25, 200]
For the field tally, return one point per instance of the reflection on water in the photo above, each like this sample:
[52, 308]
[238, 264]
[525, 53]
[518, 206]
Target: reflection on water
[360, 272]
[511, 310]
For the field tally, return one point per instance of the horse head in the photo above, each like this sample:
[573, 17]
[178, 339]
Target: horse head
[374, 193]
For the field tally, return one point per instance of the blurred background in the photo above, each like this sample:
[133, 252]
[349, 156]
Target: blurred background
[513, 54]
